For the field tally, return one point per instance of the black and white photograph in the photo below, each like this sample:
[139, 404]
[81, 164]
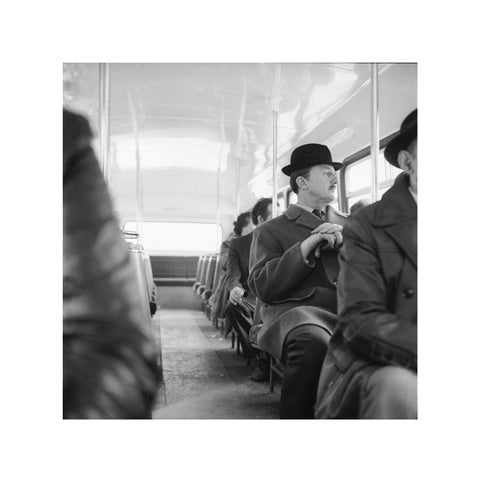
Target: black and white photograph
[240, 240]
[235, 273]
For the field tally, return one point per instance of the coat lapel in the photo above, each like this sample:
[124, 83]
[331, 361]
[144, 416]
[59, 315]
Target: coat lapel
[302, 217]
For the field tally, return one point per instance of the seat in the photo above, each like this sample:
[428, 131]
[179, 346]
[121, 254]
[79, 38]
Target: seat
[201, 262]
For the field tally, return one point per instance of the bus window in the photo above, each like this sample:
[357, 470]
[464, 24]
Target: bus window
[358, 179]
[177, 237]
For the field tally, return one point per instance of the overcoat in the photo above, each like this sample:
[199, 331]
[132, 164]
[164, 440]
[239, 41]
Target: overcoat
[219, 299]
[293, 291]
[237, 265]
[377, 301]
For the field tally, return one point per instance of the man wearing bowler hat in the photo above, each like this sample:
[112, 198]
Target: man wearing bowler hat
[370, 370]
[293, 272]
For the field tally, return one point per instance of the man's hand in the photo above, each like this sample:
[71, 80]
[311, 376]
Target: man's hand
[327, 235]
[236, 295]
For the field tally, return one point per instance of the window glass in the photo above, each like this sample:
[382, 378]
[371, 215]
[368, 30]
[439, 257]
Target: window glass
[281, 204]
[358, 175]
[358, 181]
[174, 237]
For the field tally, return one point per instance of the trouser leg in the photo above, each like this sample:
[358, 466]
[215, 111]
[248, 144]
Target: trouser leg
[389, 393]
[240, 317]
[304, 350]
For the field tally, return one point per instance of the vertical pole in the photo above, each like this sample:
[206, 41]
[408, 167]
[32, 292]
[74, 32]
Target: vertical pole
[104, 113]
[220, 157]
[275, 103]
[374, 148]
[237, 184]
[274, 167]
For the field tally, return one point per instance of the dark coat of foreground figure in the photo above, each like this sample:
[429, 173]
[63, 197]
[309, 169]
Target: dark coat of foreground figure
[377, 310]
[109, 358]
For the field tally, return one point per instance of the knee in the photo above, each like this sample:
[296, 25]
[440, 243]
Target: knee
[393, 390]
[309, 342]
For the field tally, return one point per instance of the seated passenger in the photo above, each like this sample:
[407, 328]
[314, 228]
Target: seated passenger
[109, 358]
[293, 271]
[242, 226]
[371, 367]
[242, 302]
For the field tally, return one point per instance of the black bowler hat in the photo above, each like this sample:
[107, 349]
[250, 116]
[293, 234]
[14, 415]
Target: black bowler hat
[310, 155]
[408, 132]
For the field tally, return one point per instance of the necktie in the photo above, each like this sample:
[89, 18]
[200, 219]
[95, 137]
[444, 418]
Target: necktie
[320, 214]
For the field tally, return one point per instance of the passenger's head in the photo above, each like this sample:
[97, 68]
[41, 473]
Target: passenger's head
[243, 225]
[359, 205]
[262, 211]
[401, 151]
[312, 173]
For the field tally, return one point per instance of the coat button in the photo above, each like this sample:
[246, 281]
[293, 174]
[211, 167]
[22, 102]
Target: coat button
[407, 293]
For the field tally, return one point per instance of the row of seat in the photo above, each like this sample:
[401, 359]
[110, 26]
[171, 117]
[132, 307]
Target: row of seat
[145, 282]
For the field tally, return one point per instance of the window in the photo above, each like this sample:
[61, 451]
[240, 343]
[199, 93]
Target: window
[358, 179]
[177, 237]
[281, 204]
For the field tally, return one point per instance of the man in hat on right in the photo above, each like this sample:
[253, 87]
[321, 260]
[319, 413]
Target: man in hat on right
[370, 370]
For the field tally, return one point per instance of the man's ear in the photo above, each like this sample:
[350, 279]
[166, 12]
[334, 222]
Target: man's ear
[405, 161]
[300, 182]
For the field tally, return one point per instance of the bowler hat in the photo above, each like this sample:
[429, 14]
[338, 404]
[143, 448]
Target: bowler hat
[408, 132]
[310, 155]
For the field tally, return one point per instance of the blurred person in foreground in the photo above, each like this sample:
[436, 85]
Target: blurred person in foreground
[109, 358]
[370, 370]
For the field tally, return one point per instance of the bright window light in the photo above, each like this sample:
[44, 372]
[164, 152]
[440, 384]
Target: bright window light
[177, 237]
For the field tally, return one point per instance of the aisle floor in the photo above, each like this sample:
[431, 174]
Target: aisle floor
[204, 378]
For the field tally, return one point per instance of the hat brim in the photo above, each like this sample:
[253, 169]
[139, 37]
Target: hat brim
[402, 141]
[289, 169]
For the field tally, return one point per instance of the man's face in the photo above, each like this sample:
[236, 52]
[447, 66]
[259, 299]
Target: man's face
[322, 183]
[248, 228]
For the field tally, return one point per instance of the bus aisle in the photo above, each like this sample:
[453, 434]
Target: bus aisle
[204, 377]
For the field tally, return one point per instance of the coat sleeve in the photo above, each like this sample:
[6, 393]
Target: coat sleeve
[233, 268]
[367, 326]
[274, 273]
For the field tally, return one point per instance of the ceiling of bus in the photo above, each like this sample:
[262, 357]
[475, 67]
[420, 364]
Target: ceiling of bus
[210, 118]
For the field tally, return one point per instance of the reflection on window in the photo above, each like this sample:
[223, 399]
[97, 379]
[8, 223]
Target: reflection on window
[175, 237]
